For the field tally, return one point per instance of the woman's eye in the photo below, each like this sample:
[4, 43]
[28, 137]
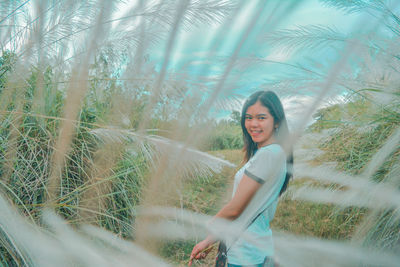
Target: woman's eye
[248, 118]
[261, 118]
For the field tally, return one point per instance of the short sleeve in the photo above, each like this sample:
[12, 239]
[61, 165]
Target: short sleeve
[264, 163]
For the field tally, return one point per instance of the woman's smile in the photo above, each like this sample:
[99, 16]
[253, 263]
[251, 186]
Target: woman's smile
[255, 133]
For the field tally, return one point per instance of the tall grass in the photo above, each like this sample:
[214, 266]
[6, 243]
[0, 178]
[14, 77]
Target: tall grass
[97, 140]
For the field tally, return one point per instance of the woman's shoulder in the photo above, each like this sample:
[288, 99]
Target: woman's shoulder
[271, 153]
[271, 150]
[265, 163]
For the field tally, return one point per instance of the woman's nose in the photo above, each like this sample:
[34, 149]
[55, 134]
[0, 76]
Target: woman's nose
[254, 123]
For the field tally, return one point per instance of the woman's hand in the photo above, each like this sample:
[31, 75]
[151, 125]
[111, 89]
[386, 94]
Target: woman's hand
[201, 250]
[247, 188]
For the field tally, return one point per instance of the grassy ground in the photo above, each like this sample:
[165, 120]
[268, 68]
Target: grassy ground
[314, 219]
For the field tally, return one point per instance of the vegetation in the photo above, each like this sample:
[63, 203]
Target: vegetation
[353, 147]
[226, 134]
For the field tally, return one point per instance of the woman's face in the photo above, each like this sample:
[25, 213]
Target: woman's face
[260, 124]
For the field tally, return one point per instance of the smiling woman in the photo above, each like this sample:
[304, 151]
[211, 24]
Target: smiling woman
[257, 184]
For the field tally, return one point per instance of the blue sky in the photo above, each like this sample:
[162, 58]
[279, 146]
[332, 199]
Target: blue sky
[206, 50]
[194, 45]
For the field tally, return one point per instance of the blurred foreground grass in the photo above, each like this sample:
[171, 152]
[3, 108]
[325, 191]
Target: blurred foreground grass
[205, 196]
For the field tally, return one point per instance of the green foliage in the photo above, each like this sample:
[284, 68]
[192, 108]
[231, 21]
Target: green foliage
[353, 149]
[224, 135]
[356, 113]
[317, 220]
[236, 117]
[177, 251]
[7, 61]
[358, 131]
[352, 145]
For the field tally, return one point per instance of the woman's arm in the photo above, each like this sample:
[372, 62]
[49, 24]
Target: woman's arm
[243, 195]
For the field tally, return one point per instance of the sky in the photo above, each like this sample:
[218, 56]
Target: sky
[192, 49]
[205, 50]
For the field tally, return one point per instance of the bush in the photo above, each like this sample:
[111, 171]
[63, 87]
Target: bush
[225, 135]
[352, 146]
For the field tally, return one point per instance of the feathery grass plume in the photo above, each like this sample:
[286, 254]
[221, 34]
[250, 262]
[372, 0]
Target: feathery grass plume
[384, 9]
[381, 197]
[378, 159]
[149, 107]
[291, 250]
[300, 251]
[75, 93]
[304, 38]
[172, 162]
[37, 38]
[220, 88]
[180, 10]
[378, 229]
[175, 161]
[184, 10]
[94, 198]
[64, 139]
[62, 245]
[162, 145]
[379, 184]
[249, 29]
[358, 193]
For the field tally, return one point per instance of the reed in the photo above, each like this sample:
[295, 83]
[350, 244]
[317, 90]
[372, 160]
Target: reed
[98, 141]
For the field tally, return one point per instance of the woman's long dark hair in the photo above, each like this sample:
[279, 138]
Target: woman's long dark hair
[271, 101]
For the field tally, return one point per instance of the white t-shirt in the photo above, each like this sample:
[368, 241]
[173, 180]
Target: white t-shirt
[268, 167]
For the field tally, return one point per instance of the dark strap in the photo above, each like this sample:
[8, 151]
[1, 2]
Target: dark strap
[220, 260]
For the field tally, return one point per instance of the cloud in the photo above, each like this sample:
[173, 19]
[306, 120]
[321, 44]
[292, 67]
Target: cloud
[297, 106]
[279, 55]
[200, 62]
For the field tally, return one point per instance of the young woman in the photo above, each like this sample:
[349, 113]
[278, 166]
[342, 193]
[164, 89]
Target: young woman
[258, 183]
